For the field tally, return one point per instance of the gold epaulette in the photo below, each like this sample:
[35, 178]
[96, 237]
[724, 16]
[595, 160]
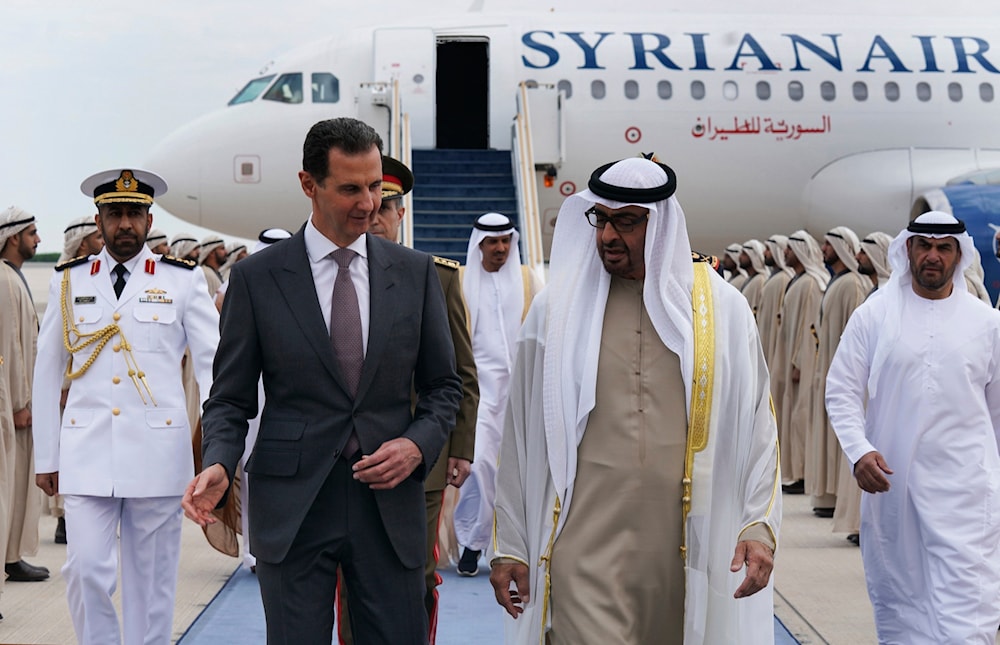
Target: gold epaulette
[72, 263]
[178, 262]
[445, 262]
[711, 260]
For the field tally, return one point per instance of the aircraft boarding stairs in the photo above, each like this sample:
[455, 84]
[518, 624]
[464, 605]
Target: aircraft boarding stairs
[454, 187]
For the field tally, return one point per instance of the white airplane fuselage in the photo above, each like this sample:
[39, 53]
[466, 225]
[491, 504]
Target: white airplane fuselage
[771, 123]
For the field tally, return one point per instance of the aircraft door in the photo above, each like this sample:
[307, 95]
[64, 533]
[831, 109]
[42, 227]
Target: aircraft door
[409, 55]
[463, 94]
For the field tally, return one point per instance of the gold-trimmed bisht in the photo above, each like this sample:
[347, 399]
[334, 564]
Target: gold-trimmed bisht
[99, 339]
[546, 558]
[701, 389]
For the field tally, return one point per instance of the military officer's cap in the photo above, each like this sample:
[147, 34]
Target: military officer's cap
[128, 185]
[397, 180]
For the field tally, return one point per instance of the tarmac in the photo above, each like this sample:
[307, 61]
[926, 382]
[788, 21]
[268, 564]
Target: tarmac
[819, 593]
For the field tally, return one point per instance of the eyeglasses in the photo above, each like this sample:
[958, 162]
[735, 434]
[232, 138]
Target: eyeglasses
[621, 223]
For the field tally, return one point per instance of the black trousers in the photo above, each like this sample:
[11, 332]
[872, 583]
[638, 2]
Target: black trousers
[343, 526]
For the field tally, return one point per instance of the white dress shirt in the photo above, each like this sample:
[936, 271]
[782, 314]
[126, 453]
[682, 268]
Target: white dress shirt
[324, 272]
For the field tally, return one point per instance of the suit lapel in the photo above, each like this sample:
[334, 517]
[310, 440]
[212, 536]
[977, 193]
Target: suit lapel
[382, 310]
[137, 280]
[295, 282]
[103, 281]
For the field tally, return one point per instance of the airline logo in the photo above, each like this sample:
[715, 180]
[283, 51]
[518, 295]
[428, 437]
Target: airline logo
[691, 51]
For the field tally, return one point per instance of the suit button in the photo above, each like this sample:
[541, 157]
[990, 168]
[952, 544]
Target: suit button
[115, 411]
[169, 422]
[117, 316]
[116, 380]
[81, 318]
[117, 348]
[72, 422]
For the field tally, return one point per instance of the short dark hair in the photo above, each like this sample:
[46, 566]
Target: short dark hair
[350, 135]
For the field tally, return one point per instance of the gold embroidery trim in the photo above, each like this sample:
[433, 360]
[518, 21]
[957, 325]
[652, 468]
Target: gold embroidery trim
[701, 387]
[101, 337]
[547, 560]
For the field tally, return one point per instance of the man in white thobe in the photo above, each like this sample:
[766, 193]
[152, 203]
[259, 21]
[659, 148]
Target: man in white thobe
[925, 354]
[638, 472]
[498, 291]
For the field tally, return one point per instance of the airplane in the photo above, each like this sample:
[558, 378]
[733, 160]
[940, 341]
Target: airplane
[772, 123]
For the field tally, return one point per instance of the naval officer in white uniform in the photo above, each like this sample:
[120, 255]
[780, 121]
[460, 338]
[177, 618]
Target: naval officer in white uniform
[117, 325]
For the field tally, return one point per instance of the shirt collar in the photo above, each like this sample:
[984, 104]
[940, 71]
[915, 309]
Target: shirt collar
[130, 264]
[319, 247]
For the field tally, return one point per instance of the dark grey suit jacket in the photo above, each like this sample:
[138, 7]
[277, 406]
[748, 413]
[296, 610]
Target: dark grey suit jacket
[272, 325]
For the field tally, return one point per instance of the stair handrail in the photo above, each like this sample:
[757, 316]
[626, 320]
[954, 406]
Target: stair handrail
[527, 187]
[401, 148]
[406, 235]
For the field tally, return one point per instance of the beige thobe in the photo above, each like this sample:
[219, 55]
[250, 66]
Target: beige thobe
[843, 295]
[617, 574]
[213, 279]
[753, 290]
[795, 351]
[18, 344]
[192, 395]
[847, 513]
[768, 320]
[768, 316]
[6, 447]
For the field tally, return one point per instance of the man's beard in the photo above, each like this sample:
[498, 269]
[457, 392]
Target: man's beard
[125, 246]
[933, 284]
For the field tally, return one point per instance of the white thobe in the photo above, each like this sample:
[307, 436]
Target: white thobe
[492, 352]
[931, 544]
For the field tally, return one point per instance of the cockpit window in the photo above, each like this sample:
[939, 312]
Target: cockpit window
[287, 89]
[325, 88]
[251, 90]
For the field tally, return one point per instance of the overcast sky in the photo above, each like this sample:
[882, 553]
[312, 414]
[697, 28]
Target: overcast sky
[88, 86]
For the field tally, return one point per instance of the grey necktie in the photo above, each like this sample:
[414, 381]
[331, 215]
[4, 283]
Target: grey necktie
[119, 271]
[345, 331]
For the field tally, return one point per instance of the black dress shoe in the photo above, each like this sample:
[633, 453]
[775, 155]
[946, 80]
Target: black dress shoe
[854, 539]
[21, 571]
[823, 512]
[61, 531]
[795, 488]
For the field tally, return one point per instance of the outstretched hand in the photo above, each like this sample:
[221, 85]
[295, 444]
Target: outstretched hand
[202, 495]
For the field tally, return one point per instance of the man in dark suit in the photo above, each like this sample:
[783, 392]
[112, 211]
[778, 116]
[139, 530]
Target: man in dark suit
[337, 471]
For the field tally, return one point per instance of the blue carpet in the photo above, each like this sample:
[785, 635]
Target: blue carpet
[468, 614]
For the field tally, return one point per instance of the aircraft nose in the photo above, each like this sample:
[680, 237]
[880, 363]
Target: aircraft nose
[176, 159]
